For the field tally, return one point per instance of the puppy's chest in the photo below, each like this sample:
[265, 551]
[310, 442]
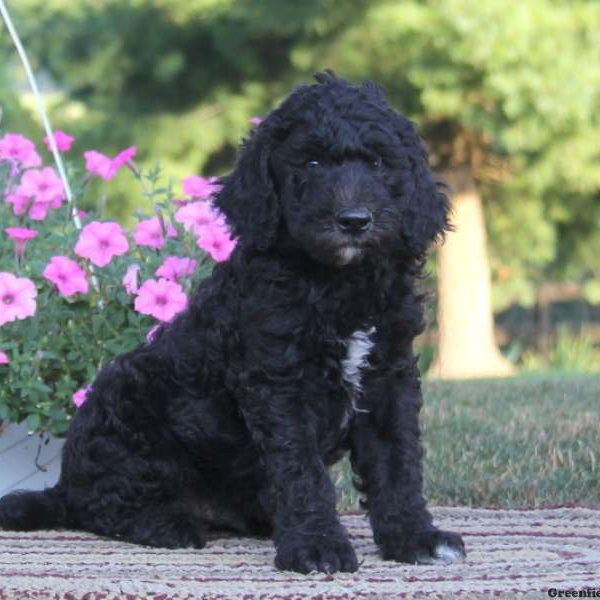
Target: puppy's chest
[354, 365]
[355, 362]
[344, 363]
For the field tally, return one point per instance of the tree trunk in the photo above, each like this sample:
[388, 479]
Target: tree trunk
[467, 347]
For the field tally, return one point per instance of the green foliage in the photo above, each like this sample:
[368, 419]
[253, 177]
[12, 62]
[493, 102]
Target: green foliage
[523, 442]
[570, 353]
[10, 109]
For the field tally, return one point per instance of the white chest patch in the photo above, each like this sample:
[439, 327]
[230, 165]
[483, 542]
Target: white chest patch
[357, 357]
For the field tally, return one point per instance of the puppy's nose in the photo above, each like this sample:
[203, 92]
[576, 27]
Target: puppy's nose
[354, 220]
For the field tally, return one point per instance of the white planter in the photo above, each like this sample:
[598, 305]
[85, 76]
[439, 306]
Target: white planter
[18, 451]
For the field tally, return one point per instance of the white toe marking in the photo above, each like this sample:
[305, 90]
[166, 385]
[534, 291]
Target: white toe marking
[448, 553]
[444, 555]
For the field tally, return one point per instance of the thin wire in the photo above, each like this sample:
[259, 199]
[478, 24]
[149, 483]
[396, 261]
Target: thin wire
[44, 116]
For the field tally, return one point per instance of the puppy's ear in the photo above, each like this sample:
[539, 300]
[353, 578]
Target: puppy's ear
[425, 205]
[248, 198]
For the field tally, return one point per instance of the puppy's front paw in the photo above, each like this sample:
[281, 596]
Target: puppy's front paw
[430, 547]
[324, 553]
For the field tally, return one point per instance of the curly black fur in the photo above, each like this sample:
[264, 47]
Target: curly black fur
[296, 350]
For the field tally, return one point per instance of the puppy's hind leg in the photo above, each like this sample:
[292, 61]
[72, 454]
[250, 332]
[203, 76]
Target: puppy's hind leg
[122, 471]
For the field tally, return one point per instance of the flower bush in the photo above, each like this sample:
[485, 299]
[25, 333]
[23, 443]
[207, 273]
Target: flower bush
[70, 299]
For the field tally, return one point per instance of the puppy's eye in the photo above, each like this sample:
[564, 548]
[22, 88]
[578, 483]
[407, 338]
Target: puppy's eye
[311, 164]
[377, 163]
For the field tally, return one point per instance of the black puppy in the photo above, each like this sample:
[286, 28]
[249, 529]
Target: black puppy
[296, 350]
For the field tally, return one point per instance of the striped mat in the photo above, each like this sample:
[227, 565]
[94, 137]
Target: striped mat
[511, 553]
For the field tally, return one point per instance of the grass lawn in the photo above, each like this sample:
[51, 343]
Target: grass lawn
[522, 442]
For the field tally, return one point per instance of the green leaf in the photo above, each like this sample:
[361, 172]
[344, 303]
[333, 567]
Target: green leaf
[33, 422]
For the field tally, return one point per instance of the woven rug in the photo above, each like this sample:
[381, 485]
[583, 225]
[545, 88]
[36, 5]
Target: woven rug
[511, 553]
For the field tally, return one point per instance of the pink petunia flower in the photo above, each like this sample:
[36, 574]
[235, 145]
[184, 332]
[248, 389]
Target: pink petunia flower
[161, 298]
[82, 214]
[125, 156]
[17, 298]
[63, 141]
[101, 242]
[80, 396]
[130, 280]
[39, 211]
[150, 233]
[174, 267]
[217, 241]
[255, 120]
[97, 163]
[46, 189]
[20, 235]
[195, 216]
[43, 185]
[201, 187]
[66, 275]
[4, 360]
[17, 149]
[21, 204]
